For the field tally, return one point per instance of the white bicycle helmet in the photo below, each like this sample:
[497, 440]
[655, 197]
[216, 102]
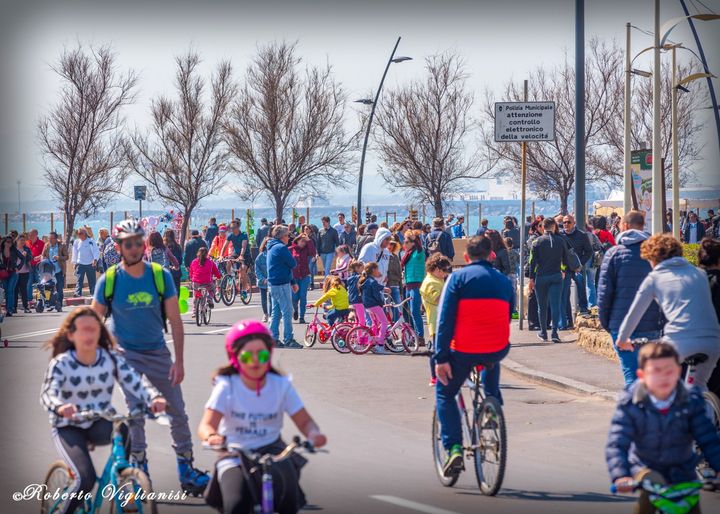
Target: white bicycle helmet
[127, 228]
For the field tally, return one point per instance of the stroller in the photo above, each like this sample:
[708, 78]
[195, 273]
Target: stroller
[46, 295]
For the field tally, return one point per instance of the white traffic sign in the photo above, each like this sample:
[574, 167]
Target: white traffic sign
[524, 121]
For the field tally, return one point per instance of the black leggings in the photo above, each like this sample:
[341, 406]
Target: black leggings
[236, 496]
[21, 290]
[266, 306]
[72, 445]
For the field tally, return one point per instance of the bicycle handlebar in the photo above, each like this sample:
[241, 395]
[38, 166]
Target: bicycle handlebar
[112, 415]
[289, 449]
[397, 305]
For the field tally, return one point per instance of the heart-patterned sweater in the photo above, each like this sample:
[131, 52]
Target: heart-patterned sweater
[90, 387]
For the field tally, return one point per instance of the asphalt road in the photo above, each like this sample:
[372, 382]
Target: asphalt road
[376, 411]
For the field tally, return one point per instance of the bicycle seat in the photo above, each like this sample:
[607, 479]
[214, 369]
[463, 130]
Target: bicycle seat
[695, 359]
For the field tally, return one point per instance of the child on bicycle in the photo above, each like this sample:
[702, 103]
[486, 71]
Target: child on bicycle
[373, 301]
[201, 272]
[437, 268]
[655, 424]
[338, 296]
[81, 376]
[354, 294]
[246, 408]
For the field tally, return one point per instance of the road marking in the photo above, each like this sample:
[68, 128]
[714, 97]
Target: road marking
[31, 334]
[419, 507]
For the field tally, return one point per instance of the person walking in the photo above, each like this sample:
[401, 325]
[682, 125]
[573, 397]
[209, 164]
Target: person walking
[368, 236]
[301, 249]
[377, 252]
[348, 236]
[439, 241]
[261, 273]
[84, 258]
[192, 246]
[157, 252]
[24, 272]
[36, 246]
[328, 240]
[57, 253]
[457, 229]
[211, 231]
[280, 264]
[578, 241]
[106, 246]
[511, 230]
[10, 261]
[622, 272]
[263, 231]
[413, 264]
[139, 298]
[693, 231]
[709, 259]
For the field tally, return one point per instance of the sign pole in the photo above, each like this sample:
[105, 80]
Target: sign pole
[523, 178]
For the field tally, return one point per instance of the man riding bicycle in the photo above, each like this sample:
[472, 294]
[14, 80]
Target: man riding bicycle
[473, 328]
[241, 257]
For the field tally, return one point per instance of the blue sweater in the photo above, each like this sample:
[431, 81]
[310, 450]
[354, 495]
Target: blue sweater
[280, 263]
[621, 273]
[261, 270]
[354, 295]
[642, 437]
[372, 293]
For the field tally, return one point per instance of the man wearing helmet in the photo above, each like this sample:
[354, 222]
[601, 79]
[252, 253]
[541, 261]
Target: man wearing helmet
[139, 329]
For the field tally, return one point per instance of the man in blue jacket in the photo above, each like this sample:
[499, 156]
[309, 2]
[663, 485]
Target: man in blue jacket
[280, 264]
[439, 241]
[621, 273]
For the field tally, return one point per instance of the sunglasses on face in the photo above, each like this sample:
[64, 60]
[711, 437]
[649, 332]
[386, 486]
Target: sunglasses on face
[247, 357]
[567, 222]
[130, 244]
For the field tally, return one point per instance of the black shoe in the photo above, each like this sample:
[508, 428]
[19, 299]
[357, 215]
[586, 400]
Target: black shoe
[555, 338]
[542, 336]
[295, 315]
[533, 328]
[8, 314]
[278, 344]
[301, 321]
[28, 311]
[292, 344]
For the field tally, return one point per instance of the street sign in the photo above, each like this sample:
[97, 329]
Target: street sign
[140, 192]
[524, 121]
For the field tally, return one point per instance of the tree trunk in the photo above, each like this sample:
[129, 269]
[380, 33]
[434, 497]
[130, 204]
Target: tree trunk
[184, 230]
[279, 208]
[437, 204]
[564, 202]
[69, 225]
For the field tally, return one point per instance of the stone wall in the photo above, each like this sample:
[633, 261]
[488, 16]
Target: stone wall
[593, 338]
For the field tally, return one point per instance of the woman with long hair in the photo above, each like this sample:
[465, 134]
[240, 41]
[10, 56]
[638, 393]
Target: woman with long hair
[171, 244]
[156, 251]
[10, 259]
[413, 265]
[502, 258]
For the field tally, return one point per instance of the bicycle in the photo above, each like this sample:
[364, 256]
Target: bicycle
[203, 311]
[712, 402]
[231, 285]
[118, 473]
[318, 330]
[263, 503]
[665, 498]
[484, 435]
[217, 295]
[400, 335]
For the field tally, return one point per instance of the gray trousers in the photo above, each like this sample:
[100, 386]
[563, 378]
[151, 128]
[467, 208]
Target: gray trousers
[155, 365]
[686, 347]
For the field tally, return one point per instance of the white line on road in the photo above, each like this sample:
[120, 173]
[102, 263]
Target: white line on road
[419, 507]
[31, 334]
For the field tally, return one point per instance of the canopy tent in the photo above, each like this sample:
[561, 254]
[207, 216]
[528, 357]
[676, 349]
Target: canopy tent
[607, 207]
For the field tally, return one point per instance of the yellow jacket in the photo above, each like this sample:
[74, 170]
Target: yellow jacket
[338, 296]
[430, 291]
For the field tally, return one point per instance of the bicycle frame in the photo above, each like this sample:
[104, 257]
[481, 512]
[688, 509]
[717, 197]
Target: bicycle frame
[322, 329]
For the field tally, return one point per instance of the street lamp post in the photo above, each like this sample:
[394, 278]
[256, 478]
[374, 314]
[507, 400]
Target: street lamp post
[627, 176]
[374, 103]
[658, 217]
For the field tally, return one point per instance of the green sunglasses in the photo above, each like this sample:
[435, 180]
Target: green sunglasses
[247, 357]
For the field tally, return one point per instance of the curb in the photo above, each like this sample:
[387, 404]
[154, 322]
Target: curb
[558, 382]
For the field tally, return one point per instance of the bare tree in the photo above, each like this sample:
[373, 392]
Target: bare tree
[422, 132]
[183, 156]
[286, 128]
[551, 164]
[81, 138]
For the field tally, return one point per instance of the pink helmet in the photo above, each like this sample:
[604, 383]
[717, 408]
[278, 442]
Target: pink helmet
[241, 329]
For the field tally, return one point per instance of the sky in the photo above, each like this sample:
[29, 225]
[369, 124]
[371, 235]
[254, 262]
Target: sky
[500, 40]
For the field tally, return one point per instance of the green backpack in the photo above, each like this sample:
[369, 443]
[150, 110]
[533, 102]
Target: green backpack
[158, 279]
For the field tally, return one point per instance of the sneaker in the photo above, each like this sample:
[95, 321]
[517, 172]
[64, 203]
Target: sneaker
[265, 318]
[433, 382]
[454, 463]
[555, 338]
[379, 349]
[211, 304]
[278, 344]
[295, 315]
[192, 480]
[139, 460]
[292, 343]
[301, 321]
[542, 336]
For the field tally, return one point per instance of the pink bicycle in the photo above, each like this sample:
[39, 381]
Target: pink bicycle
[400, 335]
[318, 329]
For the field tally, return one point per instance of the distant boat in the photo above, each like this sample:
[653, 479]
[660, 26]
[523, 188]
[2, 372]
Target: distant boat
[309, 201]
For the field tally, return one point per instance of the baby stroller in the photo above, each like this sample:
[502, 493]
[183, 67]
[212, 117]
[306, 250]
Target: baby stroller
[46, 295]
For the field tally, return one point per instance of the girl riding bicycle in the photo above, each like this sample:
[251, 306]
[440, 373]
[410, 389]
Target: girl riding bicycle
[202, 270]
[81, 376]
[338, 296]
[246, 409]
[354, 294]
[373, 301]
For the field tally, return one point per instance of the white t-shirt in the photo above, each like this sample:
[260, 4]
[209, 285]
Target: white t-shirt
[249, 420]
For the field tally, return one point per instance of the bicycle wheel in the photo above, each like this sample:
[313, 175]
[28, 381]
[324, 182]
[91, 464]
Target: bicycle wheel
[227, 290]
[135, 480]
[360, 340]
[217, 294]
[408, 338]
[338, 338]
[393, 342]
[56, 479]
[310, 336]
[198, 310]
[490, 446]
[440, 455]
[207, 312]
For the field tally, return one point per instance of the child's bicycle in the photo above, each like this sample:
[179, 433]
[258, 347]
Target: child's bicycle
[231, 285]
[254, 464]
[484, 435]
[319, 330]
[133, 484]
[203, 311]
[712, 402]
[662, 498]
[400, 335]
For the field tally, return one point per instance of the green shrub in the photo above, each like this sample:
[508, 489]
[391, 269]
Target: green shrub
[690, 252]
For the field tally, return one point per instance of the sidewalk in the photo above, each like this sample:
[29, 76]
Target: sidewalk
[562, 366]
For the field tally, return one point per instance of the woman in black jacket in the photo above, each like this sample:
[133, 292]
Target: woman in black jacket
[23, 271]
[502, 258]
[10, 260]
[709, 259]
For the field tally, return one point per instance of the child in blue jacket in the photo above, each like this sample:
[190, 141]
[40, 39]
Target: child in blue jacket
[373, 301]
[354, 295]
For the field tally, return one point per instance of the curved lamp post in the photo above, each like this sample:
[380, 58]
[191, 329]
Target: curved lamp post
[368, 101]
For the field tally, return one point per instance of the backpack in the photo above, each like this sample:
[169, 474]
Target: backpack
[158, 279]
[433, 245]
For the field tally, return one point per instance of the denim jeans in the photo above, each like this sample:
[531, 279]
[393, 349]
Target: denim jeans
[60, 284]
[461, 365]
[281, 296]
[415, 304]
[548, 289]
[82, 271]
[327, 259]
[266, 308]
[579, 279]
[33, 278]
[395, 294]
[9, 286]
[629, 359]
[301, 296]
[590, 281]
[312, 264]
[336, 314]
